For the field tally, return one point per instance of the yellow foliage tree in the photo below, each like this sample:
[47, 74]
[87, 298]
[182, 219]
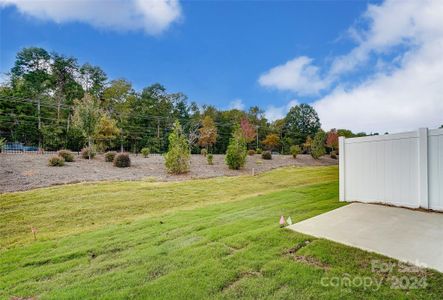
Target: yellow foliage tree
[208, 133]
[271, 141]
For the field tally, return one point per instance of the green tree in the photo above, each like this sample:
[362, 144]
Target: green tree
[31, 71]
[93, 79]
[300, 122]
[177, 159]
[318, 144]
[66, 89]
[236, 152]
[118, 101]
[86, 117]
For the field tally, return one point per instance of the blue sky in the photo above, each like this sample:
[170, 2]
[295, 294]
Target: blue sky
[332, 54]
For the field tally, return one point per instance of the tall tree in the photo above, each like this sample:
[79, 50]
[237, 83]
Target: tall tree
[31, 77]
[86, 117]
[300, 122]
[93, 79]
[118, 100]
[66, 88]
[32, 70]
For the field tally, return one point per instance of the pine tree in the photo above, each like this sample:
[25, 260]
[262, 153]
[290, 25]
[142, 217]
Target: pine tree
[177, 159]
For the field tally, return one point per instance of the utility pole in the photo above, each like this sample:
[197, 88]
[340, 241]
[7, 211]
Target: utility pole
[67, 130]
[256, 127]
[39, 124]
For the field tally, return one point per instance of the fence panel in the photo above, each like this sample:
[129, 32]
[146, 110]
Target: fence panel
[435, 140]
[382, 169]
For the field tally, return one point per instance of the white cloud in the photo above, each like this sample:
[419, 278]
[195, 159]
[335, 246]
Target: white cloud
[297, 75]
[151, 16]
[237, 104]
[273, 113]
[398, 98]
[400, 52]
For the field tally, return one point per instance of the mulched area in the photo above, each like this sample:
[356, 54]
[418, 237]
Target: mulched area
[20, 172]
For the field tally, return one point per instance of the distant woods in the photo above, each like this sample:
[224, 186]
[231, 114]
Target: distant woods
[54, 102]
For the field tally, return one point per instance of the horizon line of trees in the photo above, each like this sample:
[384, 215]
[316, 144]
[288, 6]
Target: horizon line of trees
[52, 101]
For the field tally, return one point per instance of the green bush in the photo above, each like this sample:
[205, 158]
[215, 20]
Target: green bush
[318, 144]
[333, 154]
[295, 150]
[122, 160]
[66, 155]
[266, 155]
[259, 151]
[236, 152]
[88, 151]
[145, 152]
[56, 161]
[204, 152]
[109, 156]
[210, 157]
[177, 159]
[251, 152]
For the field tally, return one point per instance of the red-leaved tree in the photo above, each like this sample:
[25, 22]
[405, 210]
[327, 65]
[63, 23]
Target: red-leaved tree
[247, 130]
[332, 139]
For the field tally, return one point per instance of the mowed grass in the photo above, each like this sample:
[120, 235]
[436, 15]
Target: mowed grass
[216, 238]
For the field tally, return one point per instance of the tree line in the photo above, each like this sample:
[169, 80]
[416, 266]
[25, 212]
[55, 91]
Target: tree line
[52, 101]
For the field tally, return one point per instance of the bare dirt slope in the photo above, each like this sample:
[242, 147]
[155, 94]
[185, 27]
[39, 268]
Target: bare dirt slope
[27, 171]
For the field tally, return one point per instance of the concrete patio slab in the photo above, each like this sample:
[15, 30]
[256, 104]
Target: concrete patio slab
[407, 235]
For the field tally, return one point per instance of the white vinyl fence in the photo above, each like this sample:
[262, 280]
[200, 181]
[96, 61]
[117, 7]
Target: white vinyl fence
[403, 169]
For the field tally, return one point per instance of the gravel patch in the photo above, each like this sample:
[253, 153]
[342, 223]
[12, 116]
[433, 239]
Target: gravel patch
[20, 172]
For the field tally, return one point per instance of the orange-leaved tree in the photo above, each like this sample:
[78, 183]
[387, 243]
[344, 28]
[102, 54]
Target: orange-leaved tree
[271, 141]
[208, 133]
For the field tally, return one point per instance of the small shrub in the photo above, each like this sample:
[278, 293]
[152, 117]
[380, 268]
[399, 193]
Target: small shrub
[204, 152]
[259, 162]
[86, 152]
[66, 155]
[266, 155]
[145, 152]
[56, 161]
[259, 151]
[333, 154]
[210, 157]
[122, 160]
[251, 152]
[295, 150]
[109, 156]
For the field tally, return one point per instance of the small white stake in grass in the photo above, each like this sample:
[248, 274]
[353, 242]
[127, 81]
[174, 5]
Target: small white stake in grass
[253, 171]
[289, 221]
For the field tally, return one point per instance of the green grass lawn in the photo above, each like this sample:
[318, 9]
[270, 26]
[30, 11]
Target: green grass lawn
[213, 238]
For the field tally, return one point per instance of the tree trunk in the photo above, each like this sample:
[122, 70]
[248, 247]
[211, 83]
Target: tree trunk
[89, 146]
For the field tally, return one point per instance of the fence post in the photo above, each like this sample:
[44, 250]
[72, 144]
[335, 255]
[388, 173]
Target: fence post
[423, 185]
[341, 166]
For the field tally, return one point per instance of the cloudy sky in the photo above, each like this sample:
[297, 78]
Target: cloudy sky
[367, 66]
